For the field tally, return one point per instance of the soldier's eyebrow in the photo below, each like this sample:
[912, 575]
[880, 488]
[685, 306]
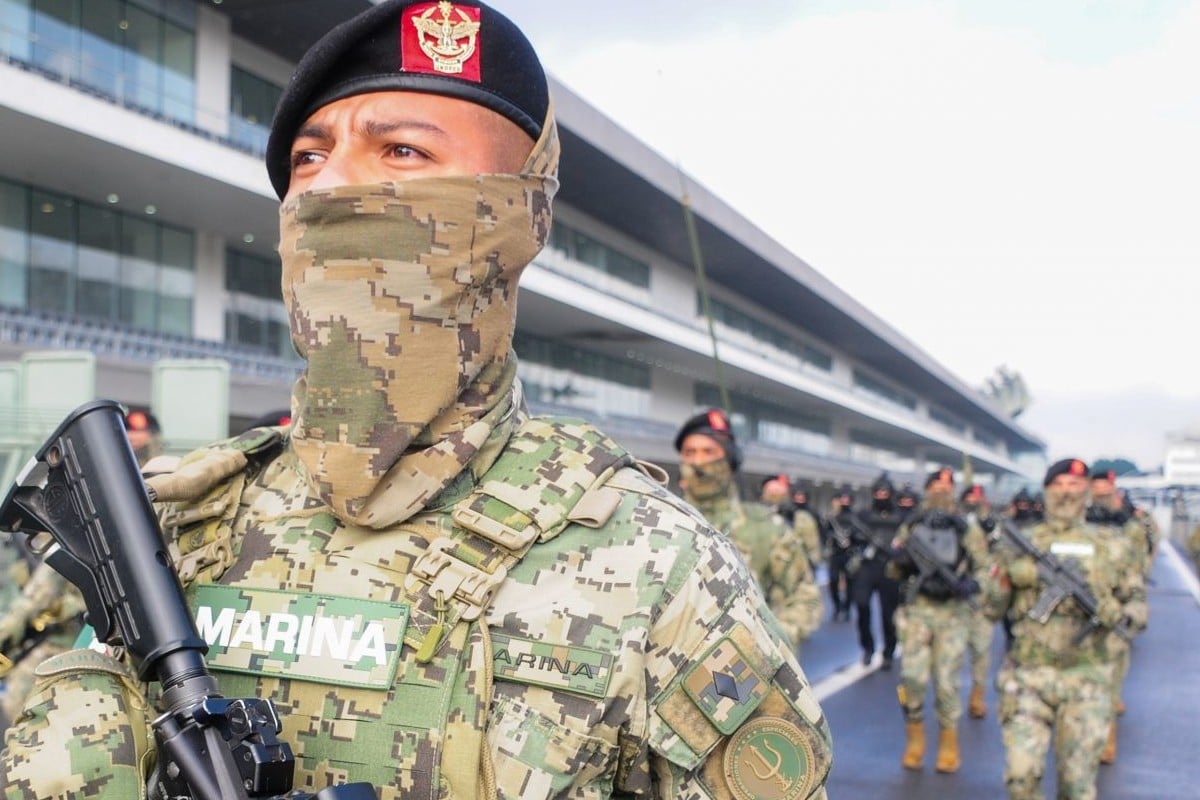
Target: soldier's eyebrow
[374, 128]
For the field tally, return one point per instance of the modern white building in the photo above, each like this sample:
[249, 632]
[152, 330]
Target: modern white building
[137, 222]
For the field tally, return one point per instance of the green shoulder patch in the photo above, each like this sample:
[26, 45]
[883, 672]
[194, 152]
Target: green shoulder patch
[725, 686]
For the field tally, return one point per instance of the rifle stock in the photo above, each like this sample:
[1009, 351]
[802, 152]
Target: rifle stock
[84, 488]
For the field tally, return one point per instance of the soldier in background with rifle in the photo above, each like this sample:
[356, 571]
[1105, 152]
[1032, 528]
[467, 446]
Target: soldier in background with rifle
[939, 558]
[1065, 585]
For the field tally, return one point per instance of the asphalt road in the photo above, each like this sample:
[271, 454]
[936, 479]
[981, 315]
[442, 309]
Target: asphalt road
[1159, 735]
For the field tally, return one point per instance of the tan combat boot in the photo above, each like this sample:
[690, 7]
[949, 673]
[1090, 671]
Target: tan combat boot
[1109, 754]
[914, 748]
[948, 759]
[976, 705]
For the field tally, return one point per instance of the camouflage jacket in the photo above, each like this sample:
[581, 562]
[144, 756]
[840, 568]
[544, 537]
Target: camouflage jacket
[1103, 557]
[625, 651]
[777, 557]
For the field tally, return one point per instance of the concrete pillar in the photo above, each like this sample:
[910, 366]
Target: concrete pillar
[214, 46]
[208, 304]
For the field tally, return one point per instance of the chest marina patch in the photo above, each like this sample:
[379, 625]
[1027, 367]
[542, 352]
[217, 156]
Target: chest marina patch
[555, 666]
[314, 637]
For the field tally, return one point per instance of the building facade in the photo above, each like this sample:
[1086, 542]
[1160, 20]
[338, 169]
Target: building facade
[137, 223]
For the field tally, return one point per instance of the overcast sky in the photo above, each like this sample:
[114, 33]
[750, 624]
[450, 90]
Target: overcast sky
[1005, 182]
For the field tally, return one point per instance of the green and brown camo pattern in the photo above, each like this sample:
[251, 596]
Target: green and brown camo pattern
[652, 586]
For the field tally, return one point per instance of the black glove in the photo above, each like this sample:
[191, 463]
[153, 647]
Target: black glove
[966, 587]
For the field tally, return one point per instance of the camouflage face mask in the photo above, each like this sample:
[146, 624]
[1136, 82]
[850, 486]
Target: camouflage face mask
[705, 481]
[1065, 506]
[402, 298]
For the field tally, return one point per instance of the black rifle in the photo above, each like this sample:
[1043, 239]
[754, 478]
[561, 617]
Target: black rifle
[928, 565]
[1061, 582]
[84, 488]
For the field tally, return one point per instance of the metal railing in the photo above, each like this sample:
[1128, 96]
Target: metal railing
[52, 331]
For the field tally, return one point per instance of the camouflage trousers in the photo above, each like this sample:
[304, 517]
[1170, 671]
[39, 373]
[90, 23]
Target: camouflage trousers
[1075, 704]
[933, 637]
[979, 646]
[1122, 652]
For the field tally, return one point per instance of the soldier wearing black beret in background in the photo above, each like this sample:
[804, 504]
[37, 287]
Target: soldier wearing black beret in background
[709, 459]
[529, 613]
[1056, 684]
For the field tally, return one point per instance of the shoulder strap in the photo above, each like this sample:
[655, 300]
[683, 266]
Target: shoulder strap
[551, 473]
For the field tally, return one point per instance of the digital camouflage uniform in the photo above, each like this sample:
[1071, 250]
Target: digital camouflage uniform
[1049, 683]
[983, 628]
[776, 557]
[43, 621]
[932, 626]
[441, 596]
[806, 528]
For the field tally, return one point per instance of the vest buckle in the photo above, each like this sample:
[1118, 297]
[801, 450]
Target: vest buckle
[451, 577]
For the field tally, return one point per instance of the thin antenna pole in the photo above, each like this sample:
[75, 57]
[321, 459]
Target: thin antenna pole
[702, 282]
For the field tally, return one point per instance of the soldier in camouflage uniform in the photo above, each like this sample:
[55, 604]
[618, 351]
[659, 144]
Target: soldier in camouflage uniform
[791, 501]
[975, 507]
[1107, 510]
[805, 522]
[42, 622]
[1055, 682]
[709, 458]
[935, 617]
[443, 596]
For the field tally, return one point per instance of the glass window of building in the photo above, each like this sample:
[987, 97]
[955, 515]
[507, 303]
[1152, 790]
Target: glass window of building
[733, 317]
[99, 263]
[141, 54]
[14, 244]
[868, 448]
[62, 255]
[252, 102]
[52, 252]
[560, 374]
[255, 316]
[876, 388]
[947, 420]
[590, 252]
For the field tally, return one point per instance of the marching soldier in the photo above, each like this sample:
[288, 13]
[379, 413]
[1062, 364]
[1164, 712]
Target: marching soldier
[939, 559]
[978, 511]
[805, 523]
[1108, 511]
[841, 552]
[709, 459]
[1057, 679]
[878, 527]
[415, 503]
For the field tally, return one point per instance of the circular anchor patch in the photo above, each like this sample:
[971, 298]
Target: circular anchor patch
[769, 758]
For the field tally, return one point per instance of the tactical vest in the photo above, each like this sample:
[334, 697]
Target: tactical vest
[369, 642]
[942, 534]
[883, 530]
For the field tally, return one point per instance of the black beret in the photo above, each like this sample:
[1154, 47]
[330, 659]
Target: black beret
[715, 424]
[940, 474]
[883, 483]
[464, 50]
[1104, 475]
[1067, 466]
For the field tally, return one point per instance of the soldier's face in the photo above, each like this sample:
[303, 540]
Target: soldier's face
[397, 136]
[700, 449]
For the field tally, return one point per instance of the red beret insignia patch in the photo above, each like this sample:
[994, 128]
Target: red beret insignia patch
[717, 421]
[1078, 468]
[441, 39]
